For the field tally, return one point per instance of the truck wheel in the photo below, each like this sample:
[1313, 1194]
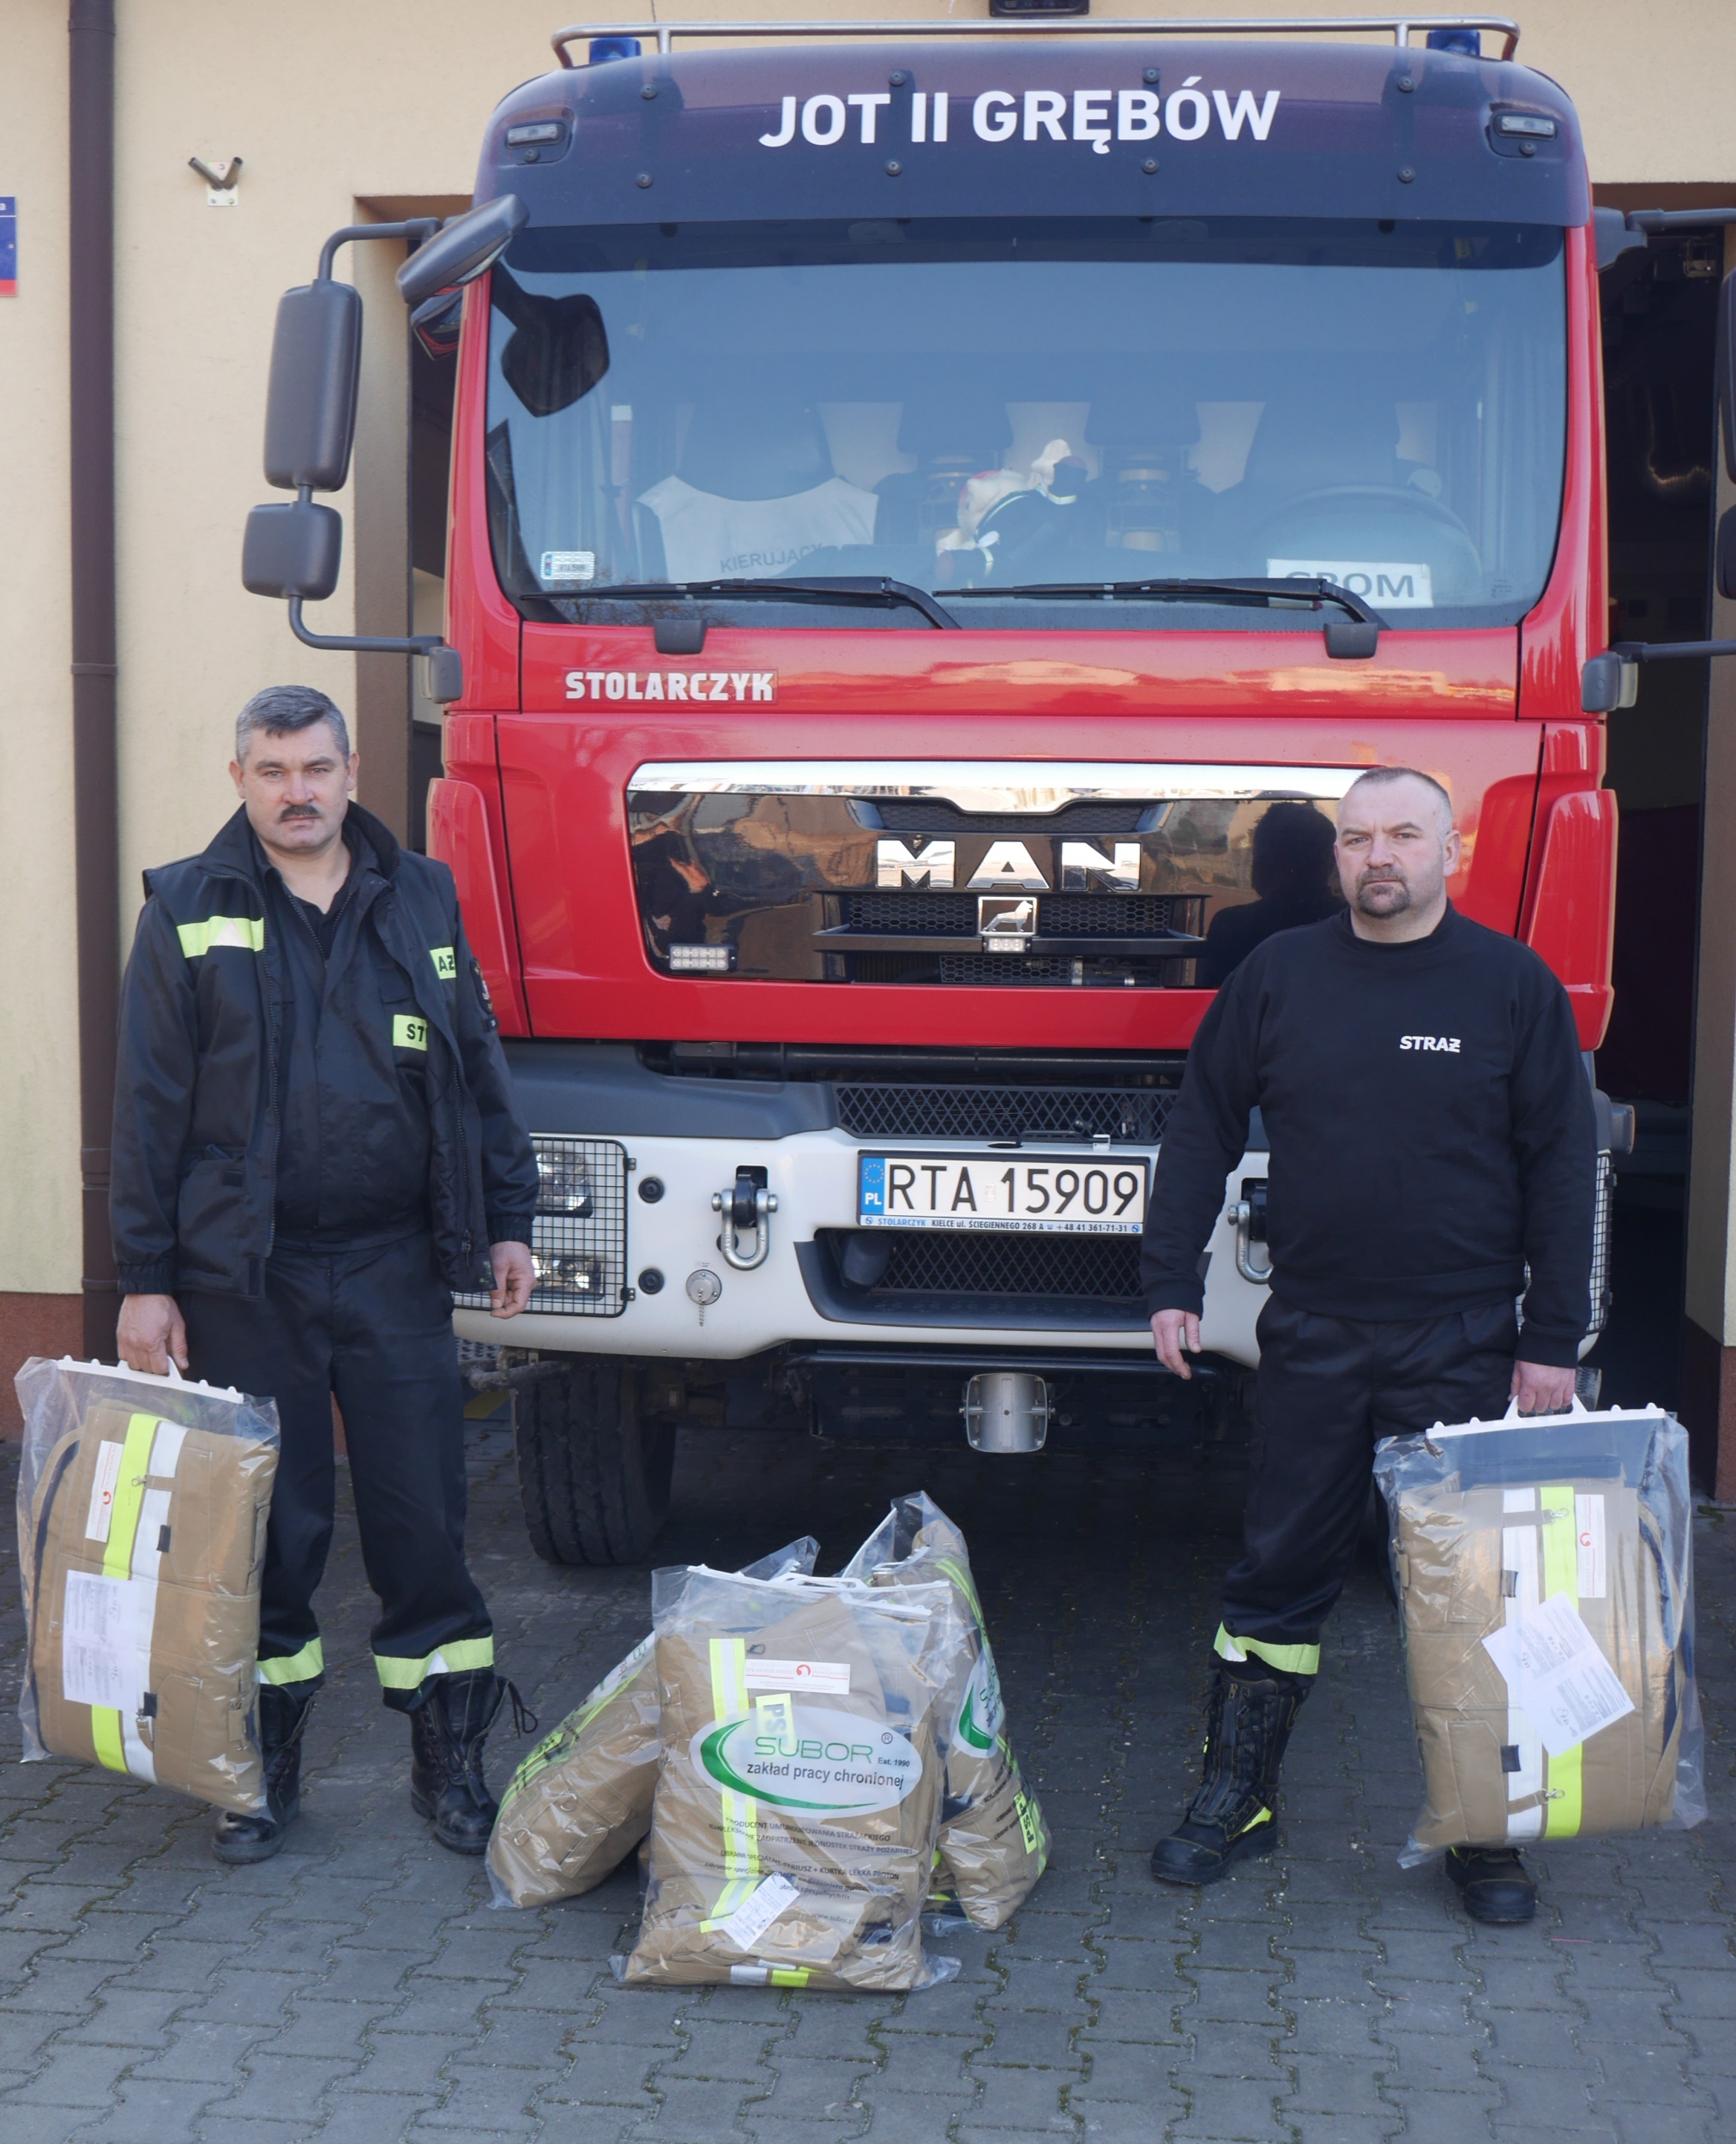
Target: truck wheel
[594, 1477]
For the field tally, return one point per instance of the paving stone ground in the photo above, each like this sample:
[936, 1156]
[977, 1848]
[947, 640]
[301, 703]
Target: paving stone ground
[360, 1988]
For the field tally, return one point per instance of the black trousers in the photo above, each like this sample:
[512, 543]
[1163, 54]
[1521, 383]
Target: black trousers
[374, 1327]
[1329, 1388]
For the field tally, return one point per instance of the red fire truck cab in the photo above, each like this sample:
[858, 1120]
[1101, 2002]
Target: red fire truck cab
[918, 508]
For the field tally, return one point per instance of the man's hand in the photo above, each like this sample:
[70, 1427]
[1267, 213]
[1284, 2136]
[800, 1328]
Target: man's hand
[1174, 1330]
[150, 1332]
[1541, 1388]
[515, 1276]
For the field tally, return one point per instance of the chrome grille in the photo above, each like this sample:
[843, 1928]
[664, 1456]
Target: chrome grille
[1059, 915]
[579, 1236]
[933, 814]
[893, 1110]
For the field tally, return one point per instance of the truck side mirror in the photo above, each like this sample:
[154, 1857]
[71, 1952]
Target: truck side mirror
[467, 248]
[293, 549]
[310, 405]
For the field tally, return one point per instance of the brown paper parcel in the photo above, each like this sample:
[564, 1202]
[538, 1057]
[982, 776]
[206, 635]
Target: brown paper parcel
[994, 1843]
[1471, 1562]
[795, 1827]
[146, 1543]
[581, 1801]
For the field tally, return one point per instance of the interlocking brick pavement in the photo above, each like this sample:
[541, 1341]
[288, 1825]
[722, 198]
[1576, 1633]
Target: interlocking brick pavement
[361, 1988]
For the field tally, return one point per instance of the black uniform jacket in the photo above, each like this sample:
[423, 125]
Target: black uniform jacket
[194, 1188]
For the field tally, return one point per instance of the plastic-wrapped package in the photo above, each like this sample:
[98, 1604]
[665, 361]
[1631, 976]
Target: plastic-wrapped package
[1544, 1569]
[993, 1842]
[142, 1506]
[581, 1801]
[798, 1794]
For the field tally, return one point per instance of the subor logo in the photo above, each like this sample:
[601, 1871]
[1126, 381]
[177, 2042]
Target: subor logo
[834, 1761]
[981, 1714]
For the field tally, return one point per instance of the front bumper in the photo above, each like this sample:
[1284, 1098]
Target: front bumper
[797, 1295]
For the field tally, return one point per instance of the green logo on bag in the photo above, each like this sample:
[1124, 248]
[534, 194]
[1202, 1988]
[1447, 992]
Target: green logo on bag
[980, 1715]
[834, 1761]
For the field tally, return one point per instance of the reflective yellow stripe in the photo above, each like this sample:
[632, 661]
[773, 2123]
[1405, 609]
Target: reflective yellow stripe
[1260, 1816]
[409, 1031]
[129, 1492]
[741, 1859]
[960, 1578]
[1565, 1809]
[458, 1657]
[295, 1668]
[107, 1735]
[245, 933]
[1288, 1660]
[445, 962]
[789, 1975]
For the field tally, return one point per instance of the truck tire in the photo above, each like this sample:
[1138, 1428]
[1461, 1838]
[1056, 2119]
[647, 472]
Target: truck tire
[594, 1477]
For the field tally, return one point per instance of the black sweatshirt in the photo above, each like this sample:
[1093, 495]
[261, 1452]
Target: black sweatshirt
[1430, 1124]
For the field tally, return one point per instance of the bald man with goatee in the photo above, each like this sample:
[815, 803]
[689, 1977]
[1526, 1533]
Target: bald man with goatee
[1433, 1157]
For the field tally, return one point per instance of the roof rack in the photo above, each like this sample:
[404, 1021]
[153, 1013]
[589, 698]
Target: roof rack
[1398, 28]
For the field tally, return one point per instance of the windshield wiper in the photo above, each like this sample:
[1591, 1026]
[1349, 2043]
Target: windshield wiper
[1358, 634]
[851, 587]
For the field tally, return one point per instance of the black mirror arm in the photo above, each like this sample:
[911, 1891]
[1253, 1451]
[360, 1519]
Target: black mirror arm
[361, 643]
[419, 229]
[1669, 651]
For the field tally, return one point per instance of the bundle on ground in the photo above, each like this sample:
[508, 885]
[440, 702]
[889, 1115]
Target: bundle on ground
[581, 1801]
[798, 1794]
[1543, 1568]
[142, 1505]
[993, 1842]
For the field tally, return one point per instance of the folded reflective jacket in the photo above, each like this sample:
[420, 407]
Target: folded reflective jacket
[581, 1801]
[993, 1842]
[799, 1789]
[1542, 1571]
[142, 1514]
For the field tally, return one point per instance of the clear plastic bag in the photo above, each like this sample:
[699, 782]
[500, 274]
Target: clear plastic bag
[993, 1843]
[1544, 1569]
[581, 1801]
[142, 1507]
[800, 1790]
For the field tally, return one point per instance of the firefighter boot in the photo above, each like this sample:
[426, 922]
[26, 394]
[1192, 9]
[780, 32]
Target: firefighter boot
[1494, 1883]
[447, 1733]
[283, 1718]
[1250, 1711]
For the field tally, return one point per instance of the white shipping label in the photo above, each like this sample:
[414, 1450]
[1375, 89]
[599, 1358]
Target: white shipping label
[1518, 1499]
[1380, 583]
[756, 1913]
[102, 1491]
[101, 1639]
[1594, 1576]
[1552, 1665]
[814, 1678]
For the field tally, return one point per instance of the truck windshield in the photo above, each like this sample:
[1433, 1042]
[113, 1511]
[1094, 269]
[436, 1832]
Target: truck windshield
[980, 405]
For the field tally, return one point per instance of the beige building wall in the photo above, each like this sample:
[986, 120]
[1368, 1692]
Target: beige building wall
[341, 112]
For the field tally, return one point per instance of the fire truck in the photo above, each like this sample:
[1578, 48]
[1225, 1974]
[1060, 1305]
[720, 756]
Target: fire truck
[923, 495]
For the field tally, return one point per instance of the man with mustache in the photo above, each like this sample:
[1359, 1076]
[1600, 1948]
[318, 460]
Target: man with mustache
[1432, 1136]
[315, 1143]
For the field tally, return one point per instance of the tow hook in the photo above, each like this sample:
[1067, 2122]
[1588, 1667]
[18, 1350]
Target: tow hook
[747, 1205]
[1247, 1216]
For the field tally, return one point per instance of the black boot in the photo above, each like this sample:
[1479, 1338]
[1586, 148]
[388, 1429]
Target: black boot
[1250, 1713]
[1494, 1883]
[283, 1718]
[447, 1733]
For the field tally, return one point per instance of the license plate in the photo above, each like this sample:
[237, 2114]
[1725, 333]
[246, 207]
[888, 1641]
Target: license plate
[1045, 1193]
